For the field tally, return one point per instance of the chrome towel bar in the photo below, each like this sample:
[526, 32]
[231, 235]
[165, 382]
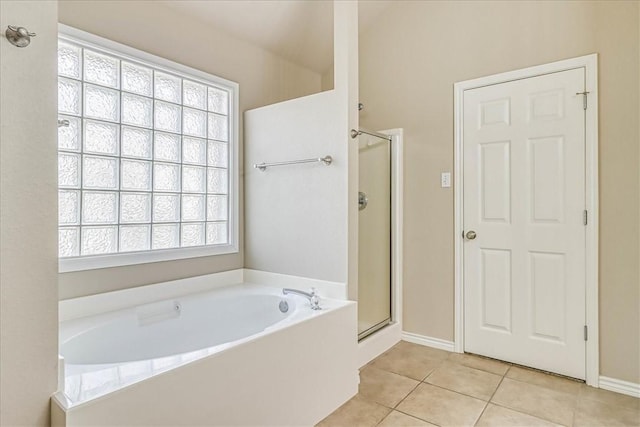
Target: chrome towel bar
[263, 166]
[356, 133]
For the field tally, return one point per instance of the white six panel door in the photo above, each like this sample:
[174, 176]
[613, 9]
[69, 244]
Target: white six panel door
[524, 196]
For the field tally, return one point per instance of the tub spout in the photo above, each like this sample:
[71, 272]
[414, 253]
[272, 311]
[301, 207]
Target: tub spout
[313, 297]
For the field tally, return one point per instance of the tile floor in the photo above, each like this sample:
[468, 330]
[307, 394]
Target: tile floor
[413, 385]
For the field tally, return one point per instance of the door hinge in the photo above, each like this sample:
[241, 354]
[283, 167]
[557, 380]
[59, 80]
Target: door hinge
[584, 98]
[586, 333]
[585, 217]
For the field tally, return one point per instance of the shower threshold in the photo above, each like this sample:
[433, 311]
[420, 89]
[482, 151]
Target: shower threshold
[362, 335]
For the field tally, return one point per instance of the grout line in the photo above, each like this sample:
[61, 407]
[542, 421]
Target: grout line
[496, 390]
[492, 394]
[487, 402]
[387, 370]
[461, 363]
[524, 411]
[434, 385]
[553, 375]
[506, 372]
[458, 392]
[383, 418]
[520, 411]
[577, 396]
[417, 417]
[403, 399]
[486, 405]
[428, 375]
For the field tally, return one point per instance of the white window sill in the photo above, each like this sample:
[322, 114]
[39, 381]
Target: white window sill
[66, 265]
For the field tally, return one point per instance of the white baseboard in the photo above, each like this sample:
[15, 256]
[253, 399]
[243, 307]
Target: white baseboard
[377, 343]
[620, 386]
[428, 341]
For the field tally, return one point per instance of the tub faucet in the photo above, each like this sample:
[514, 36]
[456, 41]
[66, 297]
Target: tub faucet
[314, 298]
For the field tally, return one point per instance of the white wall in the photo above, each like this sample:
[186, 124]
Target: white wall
[28, 223]
[302, 220]
[294, 220]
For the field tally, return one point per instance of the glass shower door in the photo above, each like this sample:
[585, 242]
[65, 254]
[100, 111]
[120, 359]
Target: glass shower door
[374, 231]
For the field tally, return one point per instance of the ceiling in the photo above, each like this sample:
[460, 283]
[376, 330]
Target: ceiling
[298, 30]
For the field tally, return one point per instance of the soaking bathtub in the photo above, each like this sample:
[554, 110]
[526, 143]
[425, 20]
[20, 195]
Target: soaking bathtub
[242, 354]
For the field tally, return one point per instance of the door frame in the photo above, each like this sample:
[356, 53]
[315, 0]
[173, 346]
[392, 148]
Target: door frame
[590, 64]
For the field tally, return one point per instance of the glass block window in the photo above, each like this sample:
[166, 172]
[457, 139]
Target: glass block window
[144, 162]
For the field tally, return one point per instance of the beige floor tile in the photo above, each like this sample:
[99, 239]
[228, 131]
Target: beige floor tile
[357, 412]
[465, 380]
[442, 407]
[398, 419]
[595, 413]
[609, 397]
[497, 416]
[552, 382]
[411, 360]
[383, 387]
[482, 363]
[536, 400]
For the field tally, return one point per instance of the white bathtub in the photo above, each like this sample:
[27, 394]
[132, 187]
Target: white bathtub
[228, 356]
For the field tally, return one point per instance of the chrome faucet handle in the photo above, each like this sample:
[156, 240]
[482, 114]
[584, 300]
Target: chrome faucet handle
[313, 297]
[314, 300]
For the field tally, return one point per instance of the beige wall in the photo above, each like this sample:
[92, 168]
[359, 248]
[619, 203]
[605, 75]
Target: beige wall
[326, 82]
[617, 43]
[409, 61]
[28, 238]
[264, 78]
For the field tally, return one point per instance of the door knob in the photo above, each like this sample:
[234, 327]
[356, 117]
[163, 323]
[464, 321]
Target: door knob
[470, 235]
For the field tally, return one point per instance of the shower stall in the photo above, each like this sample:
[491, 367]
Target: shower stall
[375, 231]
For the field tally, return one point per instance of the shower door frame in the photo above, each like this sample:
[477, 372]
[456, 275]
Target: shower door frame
[381, 340]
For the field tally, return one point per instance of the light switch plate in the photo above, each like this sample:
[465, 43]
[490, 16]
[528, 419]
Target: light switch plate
[445, 179]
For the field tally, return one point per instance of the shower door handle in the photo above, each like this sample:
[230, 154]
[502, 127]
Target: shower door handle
[363, 200]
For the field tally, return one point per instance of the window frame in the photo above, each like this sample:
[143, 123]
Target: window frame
[117, 259]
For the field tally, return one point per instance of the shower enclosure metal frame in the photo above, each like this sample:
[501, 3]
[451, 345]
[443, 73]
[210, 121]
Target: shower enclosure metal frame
[381, 339]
